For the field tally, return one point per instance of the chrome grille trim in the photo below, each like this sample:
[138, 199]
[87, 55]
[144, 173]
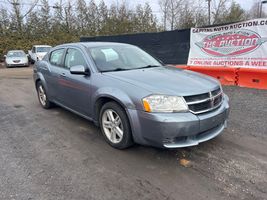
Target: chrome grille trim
[204, 100]
[207, 110]
[199, 106]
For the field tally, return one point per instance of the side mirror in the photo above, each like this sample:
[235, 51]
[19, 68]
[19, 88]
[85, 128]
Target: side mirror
[80, 70]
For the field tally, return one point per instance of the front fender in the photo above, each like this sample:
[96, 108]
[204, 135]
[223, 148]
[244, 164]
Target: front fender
[116, 94]
[38, 76]
[125, 101]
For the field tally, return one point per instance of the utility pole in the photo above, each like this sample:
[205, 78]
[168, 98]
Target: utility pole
[209, 11]
[261, 5]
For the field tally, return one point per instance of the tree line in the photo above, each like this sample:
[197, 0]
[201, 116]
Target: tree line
[60, 23]
[66, 21]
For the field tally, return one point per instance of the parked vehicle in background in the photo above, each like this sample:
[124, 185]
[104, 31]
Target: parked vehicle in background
[131, 95]
[38, 52]
[16, 58]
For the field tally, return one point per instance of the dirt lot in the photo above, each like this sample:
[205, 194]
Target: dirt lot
[54, 154]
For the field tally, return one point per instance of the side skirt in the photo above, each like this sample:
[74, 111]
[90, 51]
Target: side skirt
[75, 112]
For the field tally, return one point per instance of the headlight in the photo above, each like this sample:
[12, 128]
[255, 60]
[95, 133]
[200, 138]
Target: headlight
[164, 103]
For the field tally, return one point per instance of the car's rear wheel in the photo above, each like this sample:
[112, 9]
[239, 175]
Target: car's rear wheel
[42, 96]
[115, 126]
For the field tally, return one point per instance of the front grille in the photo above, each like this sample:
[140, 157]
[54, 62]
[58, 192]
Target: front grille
[205, 102]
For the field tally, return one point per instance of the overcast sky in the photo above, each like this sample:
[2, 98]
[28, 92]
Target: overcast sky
[246, 4]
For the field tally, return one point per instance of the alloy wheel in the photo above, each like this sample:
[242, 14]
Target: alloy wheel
[112, 126]
[42, 95]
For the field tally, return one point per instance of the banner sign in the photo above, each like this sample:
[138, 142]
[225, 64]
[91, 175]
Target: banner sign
[241, 44]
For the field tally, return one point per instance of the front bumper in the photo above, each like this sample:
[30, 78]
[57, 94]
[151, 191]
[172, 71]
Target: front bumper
[174, 130]
[17, 64]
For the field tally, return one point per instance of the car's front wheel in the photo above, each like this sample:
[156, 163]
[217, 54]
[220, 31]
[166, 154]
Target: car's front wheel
[115, 126]
[42, 96]
[32, 61]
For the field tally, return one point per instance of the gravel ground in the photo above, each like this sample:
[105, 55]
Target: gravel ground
[54, 154]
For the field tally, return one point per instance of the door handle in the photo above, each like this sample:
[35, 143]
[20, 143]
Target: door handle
[63, 74]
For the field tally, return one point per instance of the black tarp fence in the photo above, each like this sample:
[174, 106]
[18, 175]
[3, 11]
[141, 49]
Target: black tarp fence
[171, 47]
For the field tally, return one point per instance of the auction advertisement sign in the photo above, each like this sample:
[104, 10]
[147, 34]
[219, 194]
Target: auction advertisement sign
[242, 44]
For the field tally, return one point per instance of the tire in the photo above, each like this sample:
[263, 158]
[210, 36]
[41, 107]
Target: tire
[116, 131]
[31, 61]
[42, 96]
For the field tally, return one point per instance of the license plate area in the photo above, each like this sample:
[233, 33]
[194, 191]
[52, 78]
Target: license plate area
[209, 122]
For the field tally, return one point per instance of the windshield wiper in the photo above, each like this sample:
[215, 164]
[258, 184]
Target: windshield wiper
[124, 69]
[148, 66]
[115, 70]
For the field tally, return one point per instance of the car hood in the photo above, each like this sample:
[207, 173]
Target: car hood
[167, 80]
[10, 59]
[41, 54]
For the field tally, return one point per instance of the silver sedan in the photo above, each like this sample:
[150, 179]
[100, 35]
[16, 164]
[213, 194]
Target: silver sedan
[16, 58]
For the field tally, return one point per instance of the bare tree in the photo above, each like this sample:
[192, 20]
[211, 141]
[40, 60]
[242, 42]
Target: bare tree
[81, 10]
[103, 18]
[235, 13]
[219, 10]
[4, 20]
[174, 10]
[186, 15]
[45, 16]
[69, 17]
[17, 6]
[164, 7]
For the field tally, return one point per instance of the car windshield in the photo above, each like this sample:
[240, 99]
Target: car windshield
[42, 49]
[16, 54]
[121, 57]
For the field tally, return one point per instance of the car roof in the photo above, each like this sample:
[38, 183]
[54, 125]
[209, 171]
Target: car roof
[94, 44]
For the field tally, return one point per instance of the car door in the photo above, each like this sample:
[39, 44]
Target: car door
[75, 90]
[54, 74]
